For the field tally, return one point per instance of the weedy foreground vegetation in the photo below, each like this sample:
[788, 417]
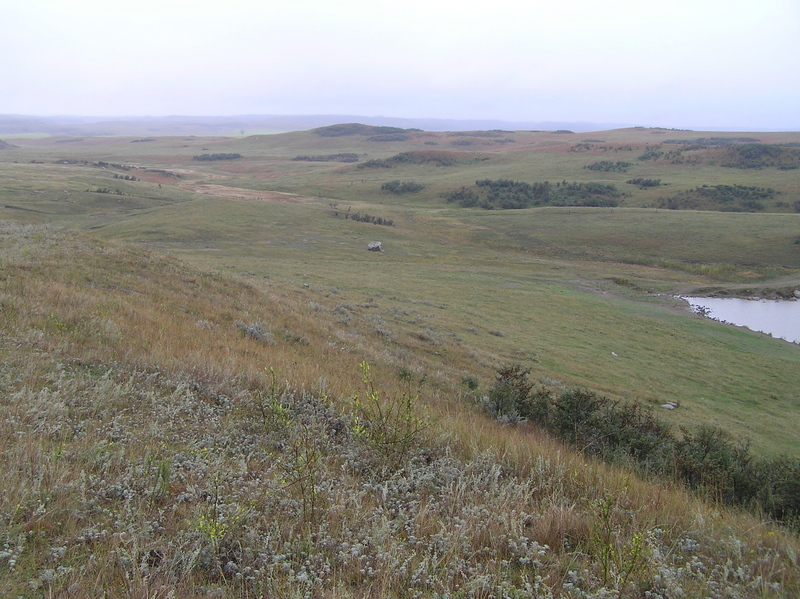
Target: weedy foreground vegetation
[209, 388]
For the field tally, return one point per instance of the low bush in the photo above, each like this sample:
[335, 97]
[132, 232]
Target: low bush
[707, 460]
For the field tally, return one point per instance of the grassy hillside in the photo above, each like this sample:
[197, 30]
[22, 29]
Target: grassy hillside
[209, 385]
[556, 289]
[175, 431]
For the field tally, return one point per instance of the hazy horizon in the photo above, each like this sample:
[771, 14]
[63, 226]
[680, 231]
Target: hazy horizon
[695, 64]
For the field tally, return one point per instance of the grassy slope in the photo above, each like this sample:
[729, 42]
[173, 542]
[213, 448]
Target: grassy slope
[563, 319]
[564, 286]
[151, 446]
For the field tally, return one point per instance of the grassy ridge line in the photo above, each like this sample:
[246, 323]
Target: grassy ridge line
[149, 449]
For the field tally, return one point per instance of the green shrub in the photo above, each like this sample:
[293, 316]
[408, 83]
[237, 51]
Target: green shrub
[707, 460]
[510, 393]
[401, 187]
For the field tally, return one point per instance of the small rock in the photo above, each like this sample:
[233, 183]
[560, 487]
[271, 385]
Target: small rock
[374, 246]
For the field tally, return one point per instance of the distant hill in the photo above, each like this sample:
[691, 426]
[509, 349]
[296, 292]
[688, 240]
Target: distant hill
[252, 124]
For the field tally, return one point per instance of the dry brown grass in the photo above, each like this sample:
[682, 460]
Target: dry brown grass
[153, 449]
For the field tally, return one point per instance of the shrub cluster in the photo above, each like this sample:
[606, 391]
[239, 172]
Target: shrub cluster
[754, 155]
[115, 192]
[376, 163]
[653, 153]
[712, 141]
[728, 198]
[355, 129]
[708, 460]
[437, 157]
[390, 137]
[369, 218]
[342, 157]
[400, 187]
[507, 194]
[160, 171]
[644, 182]
[211, 157]
[609, 166]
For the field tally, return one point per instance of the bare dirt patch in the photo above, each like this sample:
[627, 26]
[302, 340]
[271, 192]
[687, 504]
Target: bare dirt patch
[242, 194]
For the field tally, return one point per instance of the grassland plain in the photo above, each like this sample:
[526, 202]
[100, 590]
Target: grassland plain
[173, 431]
[566, 287]
[582, 296]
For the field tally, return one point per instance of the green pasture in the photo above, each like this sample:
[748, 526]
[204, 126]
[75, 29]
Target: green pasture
[581, 295]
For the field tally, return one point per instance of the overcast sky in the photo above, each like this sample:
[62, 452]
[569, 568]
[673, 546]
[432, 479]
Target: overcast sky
[676, 63]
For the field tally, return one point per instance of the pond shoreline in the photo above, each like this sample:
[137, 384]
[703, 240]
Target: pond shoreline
[778, 318]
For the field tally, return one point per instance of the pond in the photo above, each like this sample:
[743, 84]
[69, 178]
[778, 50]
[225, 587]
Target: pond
[779, 318]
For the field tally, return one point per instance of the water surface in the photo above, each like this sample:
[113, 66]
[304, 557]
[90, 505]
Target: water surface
[779, 318]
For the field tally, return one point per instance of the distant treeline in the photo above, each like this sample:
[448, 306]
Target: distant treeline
[209, 157]
[507, 194]
[342, 157]
[707, 460]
